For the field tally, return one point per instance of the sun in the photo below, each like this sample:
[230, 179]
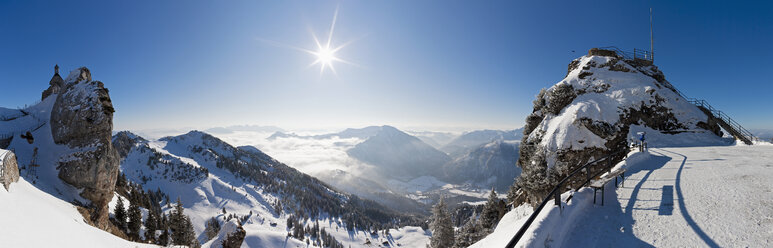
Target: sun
[325, 58]
[325, 53]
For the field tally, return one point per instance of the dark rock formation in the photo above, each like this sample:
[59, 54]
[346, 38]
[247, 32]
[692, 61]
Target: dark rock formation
[124, 141]
[9, 169]
[82, 118]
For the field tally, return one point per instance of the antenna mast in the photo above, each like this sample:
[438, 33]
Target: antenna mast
[652, 40]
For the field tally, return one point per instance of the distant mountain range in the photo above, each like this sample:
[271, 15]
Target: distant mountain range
[477, 160]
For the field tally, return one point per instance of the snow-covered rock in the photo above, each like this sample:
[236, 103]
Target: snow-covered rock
[597, 108]
[9, 168]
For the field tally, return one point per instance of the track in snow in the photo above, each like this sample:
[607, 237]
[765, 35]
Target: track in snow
[686, 197]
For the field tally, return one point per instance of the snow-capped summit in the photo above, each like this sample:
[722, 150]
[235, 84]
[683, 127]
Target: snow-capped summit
[597, 108]
[397, 153]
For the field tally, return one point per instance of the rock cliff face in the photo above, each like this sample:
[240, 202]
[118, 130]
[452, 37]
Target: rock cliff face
[82, 119]
[596, 109]
[9, 168]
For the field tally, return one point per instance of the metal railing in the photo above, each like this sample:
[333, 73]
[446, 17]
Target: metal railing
[724, 117]
[555, 194]
[636, 54]
[716, 113]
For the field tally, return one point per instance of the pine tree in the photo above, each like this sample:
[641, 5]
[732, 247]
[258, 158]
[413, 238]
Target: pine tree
[512, 194]
[441, 226]
[163, 225]
[181, 227]
[489, 217]
[120, 215]
[290, 222]
[163, 240]
[151, 225]
[468, 234]
[212, 228]
[135, 221]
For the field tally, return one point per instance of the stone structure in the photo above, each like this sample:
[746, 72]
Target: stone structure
[82, 118]
[55, 85]
[9, 169]
[601, 52]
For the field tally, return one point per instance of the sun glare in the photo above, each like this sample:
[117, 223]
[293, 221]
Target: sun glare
[325, 53]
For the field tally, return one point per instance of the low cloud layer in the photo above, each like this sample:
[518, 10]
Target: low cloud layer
[312, 156]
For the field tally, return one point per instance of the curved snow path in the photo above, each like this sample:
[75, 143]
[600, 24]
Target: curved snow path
[686, 197]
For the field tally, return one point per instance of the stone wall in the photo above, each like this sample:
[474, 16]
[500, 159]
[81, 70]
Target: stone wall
[601, 52]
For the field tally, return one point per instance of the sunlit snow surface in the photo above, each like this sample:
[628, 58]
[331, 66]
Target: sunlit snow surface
[673, 197]
[30, 217]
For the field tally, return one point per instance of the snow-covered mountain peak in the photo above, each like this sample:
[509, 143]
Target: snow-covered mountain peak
[601, 104]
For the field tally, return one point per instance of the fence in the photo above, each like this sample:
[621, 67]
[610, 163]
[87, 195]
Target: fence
[555, 194]
[637, 54]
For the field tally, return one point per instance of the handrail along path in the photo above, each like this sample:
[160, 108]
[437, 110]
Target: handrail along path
[555, 194]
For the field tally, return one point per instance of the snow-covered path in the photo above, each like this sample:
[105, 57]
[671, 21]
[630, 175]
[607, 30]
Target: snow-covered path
[686, 197]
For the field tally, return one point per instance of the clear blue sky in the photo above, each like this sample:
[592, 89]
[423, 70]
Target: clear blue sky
[419, 63]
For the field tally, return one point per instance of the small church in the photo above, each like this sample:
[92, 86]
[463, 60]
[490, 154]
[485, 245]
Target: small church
[55, 85]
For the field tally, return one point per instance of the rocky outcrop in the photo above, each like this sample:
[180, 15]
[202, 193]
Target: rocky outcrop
[82, 119]
[9, 168]
[124, 141]
[603, 101]
[231, 234]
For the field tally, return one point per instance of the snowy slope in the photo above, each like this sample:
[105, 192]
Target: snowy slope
[34, 218]
[46, 176]
[674, 197]
[195, 167]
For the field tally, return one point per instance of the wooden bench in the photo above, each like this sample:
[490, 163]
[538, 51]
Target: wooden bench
[599, 183]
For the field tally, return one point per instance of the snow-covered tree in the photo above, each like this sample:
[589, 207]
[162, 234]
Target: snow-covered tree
[489, 217]
[442, 227]
[468, 234]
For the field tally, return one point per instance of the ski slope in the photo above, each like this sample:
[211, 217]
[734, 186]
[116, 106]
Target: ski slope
[716, 196]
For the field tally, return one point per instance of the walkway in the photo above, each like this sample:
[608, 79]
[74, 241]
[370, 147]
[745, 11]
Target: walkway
[687, 197]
